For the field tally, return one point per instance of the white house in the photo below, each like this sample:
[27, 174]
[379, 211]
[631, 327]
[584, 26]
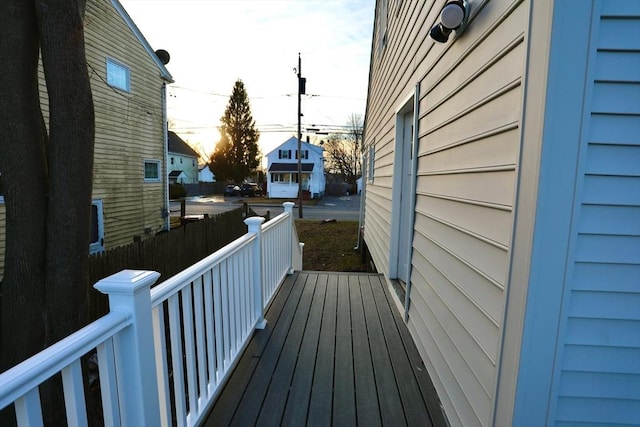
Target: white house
[502, 203]
[282, 170]
[182, 161]
[205, 174]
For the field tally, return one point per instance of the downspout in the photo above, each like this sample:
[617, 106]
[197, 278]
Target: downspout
[165, 138]
[362, 203]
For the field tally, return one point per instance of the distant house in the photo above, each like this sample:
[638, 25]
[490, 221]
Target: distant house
[128, 83]
[182, 162]
[502, 204]
[282, 170]
[205, 174]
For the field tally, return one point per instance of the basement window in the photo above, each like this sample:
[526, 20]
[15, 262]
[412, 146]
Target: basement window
[152, 171]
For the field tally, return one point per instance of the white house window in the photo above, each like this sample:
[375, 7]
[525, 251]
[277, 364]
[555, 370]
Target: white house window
[284, 154]
[152, 171]
[118, 75]
[280, 177]
[305, 154]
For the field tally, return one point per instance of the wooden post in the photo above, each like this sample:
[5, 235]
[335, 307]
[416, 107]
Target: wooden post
[254, 225]
[129, 291]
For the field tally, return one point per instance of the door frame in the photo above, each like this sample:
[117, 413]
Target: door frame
[410, 103]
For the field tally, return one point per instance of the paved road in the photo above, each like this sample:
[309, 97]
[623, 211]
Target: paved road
[339, 208]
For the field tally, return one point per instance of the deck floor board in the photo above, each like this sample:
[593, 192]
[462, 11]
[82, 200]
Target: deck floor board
[334, 353]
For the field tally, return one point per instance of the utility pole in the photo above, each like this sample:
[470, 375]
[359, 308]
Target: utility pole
[301, 91]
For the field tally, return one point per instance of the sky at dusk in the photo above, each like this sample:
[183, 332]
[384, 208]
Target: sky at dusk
[213, 43]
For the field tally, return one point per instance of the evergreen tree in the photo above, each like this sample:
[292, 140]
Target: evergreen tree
[236, 155]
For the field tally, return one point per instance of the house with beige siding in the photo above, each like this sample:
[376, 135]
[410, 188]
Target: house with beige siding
[128, 82]
[502, 203]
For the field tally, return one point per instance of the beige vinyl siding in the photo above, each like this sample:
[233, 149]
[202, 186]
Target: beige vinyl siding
[388, 87]
[468, 143]
[128, 129]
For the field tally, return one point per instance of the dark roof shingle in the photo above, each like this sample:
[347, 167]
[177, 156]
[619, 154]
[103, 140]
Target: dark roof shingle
[178, 146]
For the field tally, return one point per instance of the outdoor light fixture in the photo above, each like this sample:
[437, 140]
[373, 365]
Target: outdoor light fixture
[453, 16]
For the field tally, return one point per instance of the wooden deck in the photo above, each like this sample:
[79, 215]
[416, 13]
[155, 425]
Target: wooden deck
[334, 352]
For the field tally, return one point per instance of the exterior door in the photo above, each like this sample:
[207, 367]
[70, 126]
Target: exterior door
[405, 214]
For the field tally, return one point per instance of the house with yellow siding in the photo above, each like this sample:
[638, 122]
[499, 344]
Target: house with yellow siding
[128, 82]
[502, 202]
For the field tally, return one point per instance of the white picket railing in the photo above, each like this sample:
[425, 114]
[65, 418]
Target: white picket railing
[164, 353]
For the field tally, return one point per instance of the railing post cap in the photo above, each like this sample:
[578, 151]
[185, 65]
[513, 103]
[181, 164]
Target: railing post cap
[127, 282]
[289, 205]
[254, 221]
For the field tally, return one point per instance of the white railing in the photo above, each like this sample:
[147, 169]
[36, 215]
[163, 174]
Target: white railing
[164, 353]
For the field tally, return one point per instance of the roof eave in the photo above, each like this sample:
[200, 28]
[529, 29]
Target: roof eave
[164, 73]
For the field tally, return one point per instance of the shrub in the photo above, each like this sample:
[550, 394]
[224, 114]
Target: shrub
[177, 191]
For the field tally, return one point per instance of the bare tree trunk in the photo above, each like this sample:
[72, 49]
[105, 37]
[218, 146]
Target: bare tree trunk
[24, 169]
[47, 183]
[70, 157]
[24, 174]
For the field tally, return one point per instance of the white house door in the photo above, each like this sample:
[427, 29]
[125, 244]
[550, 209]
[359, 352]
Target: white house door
[406, 169]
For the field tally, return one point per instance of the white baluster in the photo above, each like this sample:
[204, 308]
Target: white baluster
[254, 225]
[129, 291]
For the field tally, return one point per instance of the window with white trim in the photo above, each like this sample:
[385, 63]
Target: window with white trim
[305, 154]
[96, 240]
[152, 171]
[280, 177]
[118, 75]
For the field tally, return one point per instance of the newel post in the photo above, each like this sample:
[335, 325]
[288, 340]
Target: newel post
[129, 291]
[254, 225]
[288, 208]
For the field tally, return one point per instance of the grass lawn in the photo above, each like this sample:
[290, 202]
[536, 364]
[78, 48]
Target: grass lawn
[329, 246]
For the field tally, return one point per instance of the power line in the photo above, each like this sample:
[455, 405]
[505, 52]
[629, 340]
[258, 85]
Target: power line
[309, 95]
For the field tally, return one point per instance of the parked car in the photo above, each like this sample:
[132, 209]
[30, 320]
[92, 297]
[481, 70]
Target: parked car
[231, 190]
[251, 190]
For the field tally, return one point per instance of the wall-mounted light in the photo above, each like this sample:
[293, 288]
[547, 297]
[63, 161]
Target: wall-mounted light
[453, 17]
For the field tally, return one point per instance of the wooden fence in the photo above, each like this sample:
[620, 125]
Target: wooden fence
[167, 253]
